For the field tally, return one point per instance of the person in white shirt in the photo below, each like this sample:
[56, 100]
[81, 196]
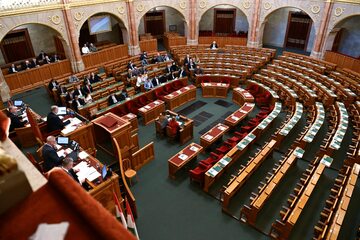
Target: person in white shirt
[139, 80]
[88, 98]
[85, 49]
[214, 45]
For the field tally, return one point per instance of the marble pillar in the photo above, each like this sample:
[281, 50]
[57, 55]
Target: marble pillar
[4, 89]
[133, 46]
[192, 38]
[253, 40]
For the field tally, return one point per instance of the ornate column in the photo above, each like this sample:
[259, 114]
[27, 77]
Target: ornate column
[133, 46]
[192, 38]
[4, 89]
[317, 50]
[76, 61]
[253, 40]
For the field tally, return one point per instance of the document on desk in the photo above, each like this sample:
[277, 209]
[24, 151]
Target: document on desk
[194, 149]
[83, 155]
[183, 156]
[68, 130]
[75, 121]
[61, 153]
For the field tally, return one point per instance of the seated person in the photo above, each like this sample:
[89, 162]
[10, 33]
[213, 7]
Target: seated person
[34, 63]
[168, 69]
[187, 59]
[55, 58]
[163, 120]
[53, 84]
[113, 99]
[191, 65]
[63, 90]
[143, 58]
[69, 96]
[16, 122]
[13, 69]
[42, 56]
[46, 60]
[130, 65]
[87, 88]
[53, 121]
[198, 71]
[92, 47]
[124, 95]
[87, 79]
[174, 126]
[94, 78]
[148, 85]
[67, 165]
[174, 68]
[163, 78]
[213, 45]
[85, 49]
[171, 76]
[182, 72]
[156, 81]
[78, 92]
[130, 74]
[88, 98]
[73, 78]
[49, 154]
[77, 102]
[158, 58]
[26, 65]
[166, 57]
[139, 81]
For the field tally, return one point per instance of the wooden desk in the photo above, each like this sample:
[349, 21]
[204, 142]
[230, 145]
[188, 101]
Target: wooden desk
[186, 131]
[213, 135]
[180, 97]
[183, 157]
[218, 78]
[83, 134]
[236, 117]
[151, 111]
[132, 118]
[215, 89]
[240, 96]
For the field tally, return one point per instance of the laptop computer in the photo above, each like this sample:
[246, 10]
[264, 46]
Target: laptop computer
[63, 140]
[18, 103]
[61, 111]
[104, 172]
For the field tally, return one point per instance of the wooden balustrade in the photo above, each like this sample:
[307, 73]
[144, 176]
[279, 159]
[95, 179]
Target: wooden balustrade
[223, 41]
[148, 45]
[343, 61]
[108, 54]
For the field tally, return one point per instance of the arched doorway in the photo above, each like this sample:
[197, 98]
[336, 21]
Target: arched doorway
[28, 40]
[344, 37]
[162, 19]
[223, 20]
[289, 28]
[103, 30]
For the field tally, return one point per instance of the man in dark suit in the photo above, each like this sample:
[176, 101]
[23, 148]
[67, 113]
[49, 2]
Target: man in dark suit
[42, 56]
[13, 69]
[53, 121]
[130, 65]
[77, 102]
[156, 81]
[69, 96]
[187, 59]
[34, 63]
[51, 159]
[143, 58]
[174, 68]
[55, 58]
[181, 73]
[53, 84]
[198, 71]
[168, 69]
[113, 99]
[87, 88]
[94, 78]
[158, 58]
[171, 76]
[214, 45]
[15, 120]
[78, 92]
[67, 165]
[26, 65]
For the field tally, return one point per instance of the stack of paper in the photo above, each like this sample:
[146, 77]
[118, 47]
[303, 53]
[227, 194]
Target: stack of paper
[193, 148]
[83, 155]
[183, 156]
[86, 172]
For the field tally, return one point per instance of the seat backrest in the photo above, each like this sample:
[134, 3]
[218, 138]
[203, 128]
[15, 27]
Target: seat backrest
[126, 164]
[34, 162]
[39, 153]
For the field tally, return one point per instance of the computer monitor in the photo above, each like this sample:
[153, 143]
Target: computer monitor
[63, 140]
[18, 103]
[61, 111]
[104, 172]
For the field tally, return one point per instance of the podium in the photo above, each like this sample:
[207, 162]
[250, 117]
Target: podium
[109, 126]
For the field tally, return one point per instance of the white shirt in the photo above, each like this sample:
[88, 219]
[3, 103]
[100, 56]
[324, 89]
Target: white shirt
[114, 99]
[138, 81]
[85, 50]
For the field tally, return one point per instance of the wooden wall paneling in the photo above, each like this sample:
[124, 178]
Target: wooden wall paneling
[143, 156]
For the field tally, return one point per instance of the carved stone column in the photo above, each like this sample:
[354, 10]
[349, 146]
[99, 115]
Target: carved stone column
[253, 40]
[4, 89]
[192, 34]
[317, 50]
[76, 60]
[133, 46]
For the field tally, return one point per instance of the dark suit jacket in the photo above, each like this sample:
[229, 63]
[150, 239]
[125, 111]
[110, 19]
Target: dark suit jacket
[74, 104]
[15, 122]
[174, 68]
[87, 89]
[181, 73]
[51, 159]
[214, 45]
[50, 86]
[77, 92]
[72, 174]
[155, 83]
[54, 122]
[168, 70]
[186, 60]
[26, 66]
[12, 71]
[111, 101]
[68, 97]
[94, 79]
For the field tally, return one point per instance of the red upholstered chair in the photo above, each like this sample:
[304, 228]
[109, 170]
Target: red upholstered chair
[168, 88]
[159, 93]
[253, 89]
[237, 137]
[177, 85]
[132, 107]
[197, 174]
[205, 81]
[214, 158]
[144, 100]
[225, 80]
[37, 164]
[263, 99]
[225, 147]
[119, 111]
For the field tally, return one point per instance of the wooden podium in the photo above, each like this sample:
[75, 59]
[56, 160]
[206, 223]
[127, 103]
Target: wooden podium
[111, 126]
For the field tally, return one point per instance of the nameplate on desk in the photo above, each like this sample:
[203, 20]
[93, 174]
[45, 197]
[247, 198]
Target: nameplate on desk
[108, 122]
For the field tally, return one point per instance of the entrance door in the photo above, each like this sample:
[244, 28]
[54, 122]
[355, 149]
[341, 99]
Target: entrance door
[224, 21]
[155, 23]
[16, 46]
[298, 30]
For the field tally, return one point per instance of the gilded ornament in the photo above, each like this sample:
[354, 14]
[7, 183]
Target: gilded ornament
[78, 16]
[246, 4]
[267, 5]
[55, 19]
[140, 7]
[182, 4]
[315, 9]
[121, 9]
[202, 4]
[339, 11]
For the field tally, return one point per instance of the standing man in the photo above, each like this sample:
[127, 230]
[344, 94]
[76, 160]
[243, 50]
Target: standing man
[49, 154]
[53, 121]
